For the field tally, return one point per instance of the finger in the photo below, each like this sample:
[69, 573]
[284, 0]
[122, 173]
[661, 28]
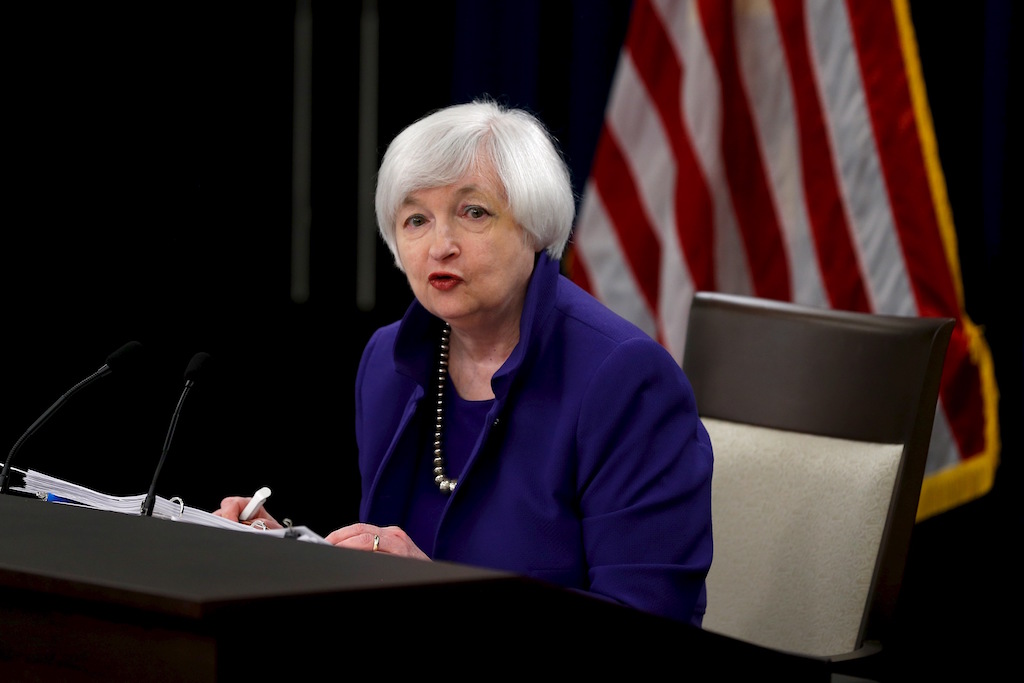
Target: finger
[230, 507]
[351, 531]
[344, 538]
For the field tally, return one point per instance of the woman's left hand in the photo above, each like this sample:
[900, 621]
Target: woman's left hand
[390, 539]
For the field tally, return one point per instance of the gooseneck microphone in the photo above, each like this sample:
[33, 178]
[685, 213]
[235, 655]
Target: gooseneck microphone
[192, 372]
[114, 360]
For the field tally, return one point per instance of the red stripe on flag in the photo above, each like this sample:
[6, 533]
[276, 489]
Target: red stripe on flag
[744, 165]
[961, 395]
[832, 233]
[662, 75]
[576, 269]
[615, 185]
[892, 115]
[892, 118]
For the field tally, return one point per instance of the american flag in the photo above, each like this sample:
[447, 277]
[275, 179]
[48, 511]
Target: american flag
[784, 149]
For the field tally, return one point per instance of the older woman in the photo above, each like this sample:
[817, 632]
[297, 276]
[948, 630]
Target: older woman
[509, 420]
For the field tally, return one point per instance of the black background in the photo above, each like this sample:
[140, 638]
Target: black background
[148, 152]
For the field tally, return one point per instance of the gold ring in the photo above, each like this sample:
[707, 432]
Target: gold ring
[376, 542]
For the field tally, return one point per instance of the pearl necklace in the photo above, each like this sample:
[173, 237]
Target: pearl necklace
[443, 482]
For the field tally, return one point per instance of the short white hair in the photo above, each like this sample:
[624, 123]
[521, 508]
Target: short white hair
[442, 147]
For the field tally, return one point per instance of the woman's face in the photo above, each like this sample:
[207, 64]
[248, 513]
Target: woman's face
[465, 256]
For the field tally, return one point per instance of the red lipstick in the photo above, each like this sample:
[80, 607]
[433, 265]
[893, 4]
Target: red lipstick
[443, 281]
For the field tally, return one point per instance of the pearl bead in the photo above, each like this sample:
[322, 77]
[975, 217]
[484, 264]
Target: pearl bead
[445, 484]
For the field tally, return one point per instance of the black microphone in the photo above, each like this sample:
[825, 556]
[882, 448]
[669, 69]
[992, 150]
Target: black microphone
[114, 360]
[192, 372]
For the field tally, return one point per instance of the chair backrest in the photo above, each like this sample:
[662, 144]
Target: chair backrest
[820, 421]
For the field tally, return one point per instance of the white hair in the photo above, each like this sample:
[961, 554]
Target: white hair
[442, 147]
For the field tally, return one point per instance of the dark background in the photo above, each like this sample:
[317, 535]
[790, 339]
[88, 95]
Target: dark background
[148, 155]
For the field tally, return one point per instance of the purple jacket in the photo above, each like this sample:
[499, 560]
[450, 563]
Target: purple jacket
[594, 470]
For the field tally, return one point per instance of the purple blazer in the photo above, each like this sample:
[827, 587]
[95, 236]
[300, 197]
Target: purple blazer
[593, 471]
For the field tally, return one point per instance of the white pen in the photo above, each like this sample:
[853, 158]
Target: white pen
[258, 499]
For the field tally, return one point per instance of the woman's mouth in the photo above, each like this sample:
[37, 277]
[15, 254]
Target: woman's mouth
[443, 281]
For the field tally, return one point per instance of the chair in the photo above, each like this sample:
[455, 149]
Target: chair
[820, 421]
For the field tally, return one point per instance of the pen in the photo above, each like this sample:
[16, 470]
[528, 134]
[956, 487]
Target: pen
[258, 499]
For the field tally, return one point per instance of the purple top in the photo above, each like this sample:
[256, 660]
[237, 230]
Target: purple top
[591, 469]
[464, 420]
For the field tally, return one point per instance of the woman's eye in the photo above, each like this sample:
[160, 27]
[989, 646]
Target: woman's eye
[475, 212]
[415, 221]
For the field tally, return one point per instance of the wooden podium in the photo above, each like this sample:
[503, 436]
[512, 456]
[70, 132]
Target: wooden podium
[88, 595]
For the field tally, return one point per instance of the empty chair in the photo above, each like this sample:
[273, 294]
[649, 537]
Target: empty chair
[821, 422]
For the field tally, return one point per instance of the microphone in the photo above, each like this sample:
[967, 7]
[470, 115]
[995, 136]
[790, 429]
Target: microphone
[114, 360]
[192, 372]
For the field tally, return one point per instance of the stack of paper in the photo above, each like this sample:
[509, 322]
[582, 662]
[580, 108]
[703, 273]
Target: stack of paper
[64, 492]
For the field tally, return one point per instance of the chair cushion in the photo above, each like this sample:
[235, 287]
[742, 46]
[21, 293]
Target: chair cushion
[798, 521]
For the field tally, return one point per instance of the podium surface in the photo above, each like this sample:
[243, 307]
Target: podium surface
[94, 595]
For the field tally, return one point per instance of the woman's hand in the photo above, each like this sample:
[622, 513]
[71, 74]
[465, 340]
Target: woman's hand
[232, 506]
[390, 539]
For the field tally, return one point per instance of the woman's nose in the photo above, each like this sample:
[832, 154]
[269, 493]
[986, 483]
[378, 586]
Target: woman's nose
[443, 243]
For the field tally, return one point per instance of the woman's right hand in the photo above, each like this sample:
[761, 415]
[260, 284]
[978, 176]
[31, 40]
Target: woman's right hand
[232, 506]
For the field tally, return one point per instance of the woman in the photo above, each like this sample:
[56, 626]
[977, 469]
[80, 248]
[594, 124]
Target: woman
[509, 420]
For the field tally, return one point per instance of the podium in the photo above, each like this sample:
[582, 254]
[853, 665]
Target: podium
[90, 595]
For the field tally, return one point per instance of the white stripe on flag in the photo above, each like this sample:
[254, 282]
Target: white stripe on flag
[852, 136]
